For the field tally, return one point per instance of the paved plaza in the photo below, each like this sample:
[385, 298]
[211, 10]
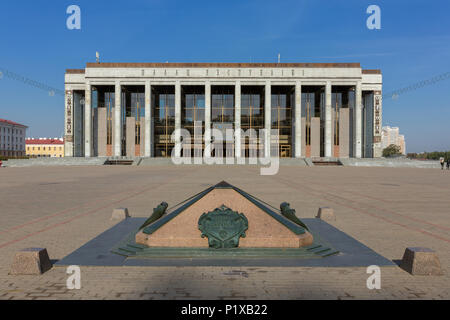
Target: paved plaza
[62, 208]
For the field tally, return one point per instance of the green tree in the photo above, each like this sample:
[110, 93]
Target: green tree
[391, 150]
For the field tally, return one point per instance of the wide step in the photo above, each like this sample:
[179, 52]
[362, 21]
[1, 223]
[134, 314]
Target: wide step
[119, 162]
[327, 163]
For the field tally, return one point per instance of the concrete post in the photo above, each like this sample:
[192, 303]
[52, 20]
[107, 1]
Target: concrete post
[237, 119]
[148, 120]
[328, 133]
[357, 123]
[117, 120]
[207, 114]
[177, 119]
[267, 118]
[298, 119]
[87, 121]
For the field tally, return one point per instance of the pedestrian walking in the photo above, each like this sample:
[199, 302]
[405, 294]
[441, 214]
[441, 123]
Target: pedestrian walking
[448, 164]
[442, 163]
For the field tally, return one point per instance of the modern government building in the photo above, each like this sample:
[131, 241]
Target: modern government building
[131, 109]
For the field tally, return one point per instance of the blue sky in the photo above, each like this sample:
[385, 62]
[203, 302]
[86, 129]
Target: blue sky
[412, 45]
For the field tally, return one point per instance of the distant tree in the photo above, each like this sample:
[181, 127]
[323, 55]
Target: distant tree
[434, 155]
[391, 150]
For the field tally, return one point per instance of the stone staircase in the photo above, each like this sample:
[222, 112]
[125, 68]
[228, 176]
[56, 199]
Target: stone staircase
[326, 162]
[69, 161]
[390, 162]
[142, 161]
[123, 161]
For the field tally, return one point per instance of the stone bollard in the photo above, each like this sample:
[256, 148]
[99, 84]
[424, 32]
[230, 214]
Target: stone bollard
[120, 214]
[326, 214]
[421, 261]
[31, 261]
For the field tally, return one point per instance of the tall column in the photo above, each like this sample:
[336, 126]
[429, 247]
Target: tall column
[328, 133]
[177, 119]
[148, 120]
[298, 119]
[357, 123]
[377, 151]
[69, 129]
[237, 119]
[208, 114]
[267, 118]
[117, 120]
[87, 121]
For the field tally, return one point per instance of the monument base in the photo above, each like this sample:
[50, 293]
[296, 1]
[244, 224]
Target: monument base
[225, 216]
[117, 247]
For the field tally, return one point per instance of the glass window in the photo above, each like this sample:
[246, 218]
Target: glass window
[138, 112]
[222, 104]
[336, 105]
[109, 101]
[193, 116]
[252, 117]
[194, 110]
[163, 100]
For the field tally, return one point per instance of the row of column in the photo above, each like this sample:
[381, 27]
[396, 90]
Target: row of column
[117, 147]
[267, 116]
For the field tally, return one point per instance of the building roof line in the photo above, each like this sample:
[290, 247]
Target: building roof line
[75, 70]
[216, 64]
[44, 141]
[12, 123]
[371, 71]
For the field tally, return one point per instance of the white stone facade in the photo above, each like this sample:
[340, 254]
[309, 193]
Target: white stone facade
[267, 76]
[12, 138]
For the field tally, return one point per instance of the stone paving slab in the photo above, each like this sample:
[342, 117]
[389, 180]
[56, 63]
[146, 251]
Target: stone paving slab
[63, 208]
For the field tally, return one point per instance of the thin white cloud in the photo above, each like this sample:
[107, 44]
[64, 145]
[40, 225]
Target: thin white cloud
[379, 54]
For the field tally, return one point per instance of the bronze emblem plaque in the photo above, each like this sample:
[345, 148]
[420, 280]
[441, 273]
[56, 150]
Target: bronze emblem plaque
[223, 227]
